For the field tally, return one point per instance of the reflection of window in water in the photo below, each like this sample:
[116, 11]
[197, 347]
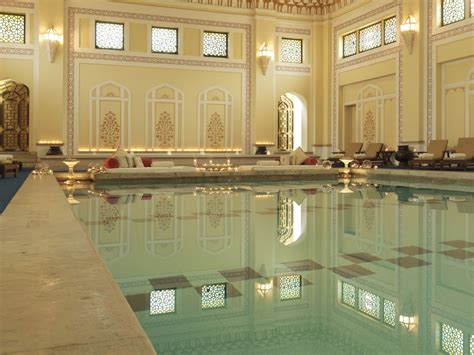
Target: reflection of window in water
[455, 341]
[369, 303]
[290, 287]
[163, 301]
[291, 223]
[213, 296]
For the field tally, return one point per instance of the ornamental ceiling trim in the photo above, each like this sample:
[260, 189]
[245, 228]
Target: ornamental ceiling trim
[365, 58]
[73, 55]
[303, 7]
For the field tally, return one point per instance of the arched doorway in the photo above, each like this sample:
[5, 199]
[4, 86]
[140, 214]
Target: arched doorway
[292, 122]
[14, 116]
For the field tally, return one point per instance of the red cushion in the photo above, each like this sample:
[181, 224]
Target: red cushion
[147, 162]
[112, 200]
[310, 161]
[111, 163]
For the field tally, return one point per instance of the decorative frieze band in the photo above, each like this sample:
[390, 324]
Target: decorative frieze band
[146, 17]
[292, 69]
[16, 51]
[370, 57]
[20, 4]
[298, 31]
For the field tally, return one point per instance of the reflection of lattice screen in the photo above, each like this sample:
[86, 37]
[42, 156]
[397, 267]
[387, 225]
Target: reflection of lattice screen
[389, 312]
[390, 30]
[348, 294]
[370, 37]
[163, 301]
[452, 11]
[12, 28]
[213, 296]
[109, 35]
[349, 43]
[290, 287]
[369, 303]
[164, 40]
[452, 339]
[214, 44]
[291, 50]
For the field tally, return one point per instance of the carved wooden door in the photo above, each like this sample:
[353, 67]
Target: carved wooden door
[14, 116]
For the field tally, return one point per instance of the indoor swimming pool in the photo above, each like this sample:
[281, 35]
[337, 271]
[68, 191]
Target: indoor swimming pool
[350, 268]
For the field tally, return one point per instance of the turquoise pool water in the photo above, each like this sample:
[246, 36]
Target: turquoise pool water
[291, 269]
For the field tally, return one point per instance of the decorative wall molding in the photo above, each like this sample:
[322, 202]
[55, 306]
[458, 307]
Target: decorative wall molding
[16, 51]
[15, 3]
[293, 69]
[395, 4]
[431, 71]
[73, 56]
[299, 31]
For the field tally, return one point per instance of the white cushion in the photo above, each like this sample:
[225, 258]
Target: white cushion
[458, 155]
[426, 155]
[297, 157]
[121, 156]
[131, 160]
[162, 164]
[359, 155]
[285, 160]
[6, 157]
[337, 155]
[138, 162]
[268, 162]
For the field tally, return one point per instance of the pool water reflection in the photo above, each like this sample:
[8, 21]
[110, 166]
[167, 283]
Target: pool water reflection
[291, 269]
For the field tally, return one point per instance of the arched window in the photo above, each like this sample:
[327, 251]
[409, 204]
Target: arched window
[292, 121]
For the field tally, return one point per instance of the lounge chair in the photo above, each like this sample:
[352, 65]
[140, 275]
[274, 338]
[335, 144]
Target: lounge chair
[373, 153]
[351, 149]
[433, 155]
[463, 157]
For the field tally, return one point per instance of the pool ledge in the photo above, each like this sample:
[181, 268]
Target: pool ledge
[56, 295]
[426, 176]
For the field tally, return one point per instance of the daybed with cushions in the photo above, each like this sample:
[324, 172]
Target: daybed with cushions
[463, 157]
[433, 156]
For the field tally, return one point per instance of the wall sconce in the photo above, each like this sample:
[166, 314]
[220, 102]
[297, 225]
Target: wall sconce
[408, 31]
[264, 56]
[53, 38]
[408, 322]
[408, 318]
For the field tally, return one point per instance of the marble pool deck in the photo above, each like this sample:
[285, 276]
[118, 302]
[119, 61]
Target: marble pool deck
[56, 295]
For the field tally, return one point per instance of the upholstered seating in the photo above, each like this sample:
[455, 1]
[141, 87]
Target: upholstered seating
[464, 155]
[433, 156]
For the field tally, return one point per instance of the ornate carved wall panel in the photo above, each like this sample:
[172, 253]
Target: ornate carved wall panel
[215, 123]
[370, 118]
[109, 117]
[14, 116]
[164, 126]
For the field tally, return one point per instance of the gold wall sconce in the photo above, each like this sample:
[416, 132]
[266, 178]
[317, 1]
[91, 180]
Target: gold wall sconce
[53, 38]
[408, 31]
[264, 54]
[409, 322]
